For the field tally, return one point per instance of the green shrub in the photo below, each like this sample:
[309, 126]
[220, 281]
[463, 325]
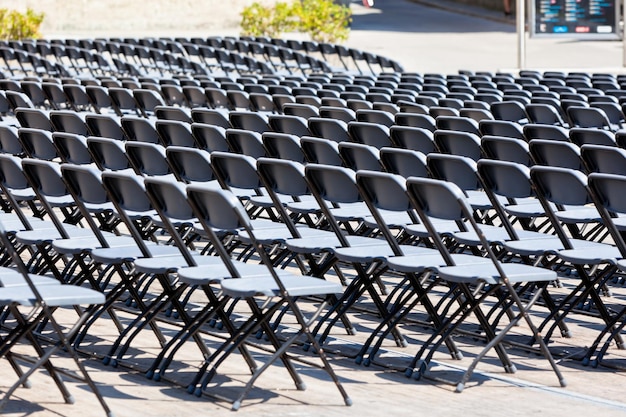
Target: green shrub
[259, 20]
[16, 25]
[322, 20]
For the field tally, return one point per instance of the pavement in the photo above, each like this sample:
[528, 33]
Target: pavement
[423, 38]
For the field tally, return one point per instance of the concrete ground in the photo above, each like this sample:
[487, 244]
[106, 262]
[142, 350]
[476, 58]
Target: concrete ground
[424, 39]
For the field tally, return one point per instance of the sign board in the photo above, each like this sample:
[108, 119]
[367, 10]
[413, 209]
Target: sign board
[591, 19]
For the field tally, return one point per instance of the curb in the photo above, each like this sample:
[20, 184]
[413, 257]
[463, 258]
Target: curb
[464, 9]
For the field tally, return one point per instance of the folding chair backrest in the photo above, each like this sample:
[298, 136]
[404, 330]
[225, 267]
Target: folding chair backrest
[245, 142]
[235, 171]
[358, 156]
[72, 148]
[333, 183]
[37, 143]
[108, 154]
[556, 153]
[190, 165]
[414, 138]
[457, 169]
[209, 137]
[147, 158]
[283, 146]
[174, 132]
[404, 162]
[506, 149]
[321, 151]
[561, 186]
[604, 159]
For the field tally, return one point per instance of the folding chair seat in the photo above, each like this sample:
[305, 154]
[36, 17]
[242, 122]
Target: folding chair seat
[581, 136]
[588, 117]
[211, 116]
[69, 122]
[32, 295]
[458, 143]
[139, 129]
[33, 118]
[294, 125]
[541, 131]
[501, 128]
[173, 113]
[438, 199]
[301, 110]
[413, 138]
[105, 126]
[372, 134]
[174, 132]
[283, 146]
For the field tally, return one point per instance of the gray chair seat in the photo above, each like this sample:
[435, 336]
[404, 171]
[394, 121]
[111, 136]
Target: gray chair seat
[168, 264]
[420, 263]
[488, 273]
[327, 244]
[538, 247]
[88, 243]
[121, 254]
[376, 253]
[591, 255]
[213, 274]
[296, 285]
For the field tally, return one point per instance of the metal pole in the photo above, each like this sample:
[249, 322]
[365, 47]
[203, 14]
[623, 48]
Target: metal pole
[619, 20]
[521, 33]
